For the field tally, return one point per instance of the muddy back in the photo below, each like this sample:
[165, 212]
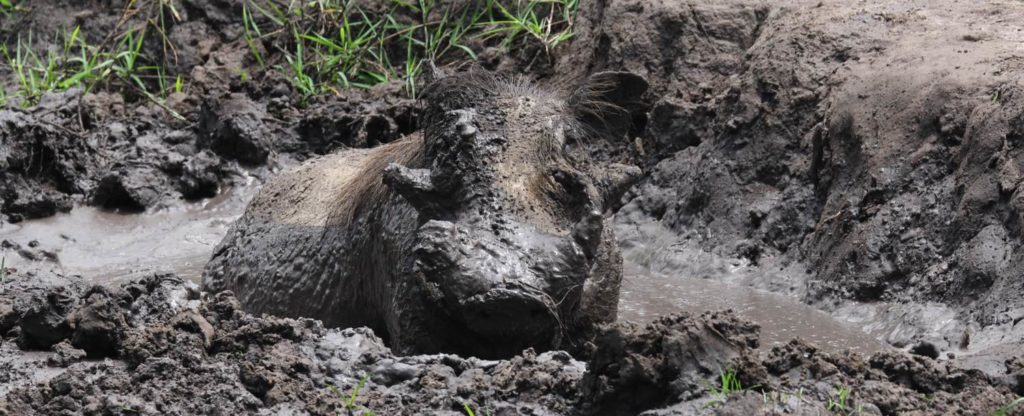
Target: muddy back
[308, 240]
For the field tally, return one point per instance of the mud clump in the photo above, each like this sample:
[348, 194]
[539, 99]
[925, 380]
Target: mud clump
[635, 368]
[171, 344]
[232, 127]
[139, 158]
[157, 344]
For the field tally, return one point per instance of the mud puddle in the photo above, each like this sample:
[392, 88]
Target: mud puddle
[664, 276]
[109, 247]
[646, 296]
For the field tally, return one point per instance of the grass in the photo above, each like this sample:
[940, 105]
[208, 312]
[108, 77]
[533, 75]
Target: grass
[321, 46]
[839, 399]
[729, 383]
[324, 46]
[350, 401]
[1005, 410]
[469, 410]
[840, 402]
[526, 20]
[8, 7]
[118, 62]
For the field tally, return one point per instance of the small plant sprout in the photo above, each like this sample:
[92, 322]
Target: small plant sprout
[729, 383]
[1005, 410]
[840, 402]
[179, 84]
[469, 410]
[350, 401]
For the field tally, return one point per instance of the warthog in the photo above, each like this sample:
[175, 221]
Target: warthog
[481, 235]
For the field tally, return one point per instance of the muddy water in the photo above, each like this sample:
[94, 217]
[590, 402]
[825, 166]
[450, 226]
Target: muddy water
[646, 296]
[661, 277]
[109, 247]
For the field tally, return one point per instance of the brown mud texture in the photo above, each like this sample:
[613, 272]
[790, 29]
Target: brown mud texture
[160, 346]
[877, 145]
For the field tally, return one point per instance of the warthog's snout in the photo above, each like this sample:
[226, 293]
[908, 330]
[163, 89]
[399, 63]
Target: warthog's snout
[510, 285]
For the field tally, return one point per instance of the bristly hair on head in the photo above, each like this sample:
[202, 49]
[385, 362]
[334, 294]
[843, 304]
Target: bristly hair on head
[603, 103]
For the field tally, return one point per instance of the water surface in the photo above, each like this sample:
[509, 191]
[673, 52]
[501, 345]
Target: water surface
[661, 276]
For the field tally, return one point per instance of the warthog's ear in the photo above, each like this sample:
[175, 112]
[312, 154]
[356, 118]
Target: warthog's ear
[607, 102]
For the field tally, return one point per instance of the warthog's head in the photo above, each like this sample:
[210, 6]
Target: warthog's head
[513, 246]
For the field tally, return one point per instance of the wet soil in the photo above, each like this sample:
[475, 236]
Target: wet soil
[160, 346]
[860, 158]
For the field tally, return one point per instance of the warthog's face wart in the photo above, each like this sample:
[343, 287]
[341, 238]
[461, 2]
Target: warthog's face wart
[511, 217]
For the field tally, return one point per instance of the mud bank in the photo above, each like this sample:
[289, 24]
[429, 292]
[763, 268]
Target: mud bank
[870, 148]
[159, 346]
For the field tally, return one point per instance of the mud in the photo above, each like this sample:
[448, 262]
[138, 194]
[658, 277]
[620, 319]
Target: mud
[860, 158]
[865, 150]
[160, 346]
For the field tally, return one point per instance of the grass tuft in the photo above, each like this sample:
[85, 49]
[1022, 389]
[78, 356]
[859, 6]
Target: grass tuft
[729, 383]
[349, 401]
[469, 410]
[323, 46]
[1005, 410]
[550, 29]
[118, 62]
[840, 402]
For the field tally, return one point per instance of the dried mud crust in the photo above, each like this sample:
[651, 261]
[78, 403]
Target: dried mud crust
[875, 146]
[159, 346]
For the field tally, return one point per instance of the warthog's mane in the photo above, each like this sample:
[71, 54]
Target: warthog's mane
[580, 106]
[367, 190]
